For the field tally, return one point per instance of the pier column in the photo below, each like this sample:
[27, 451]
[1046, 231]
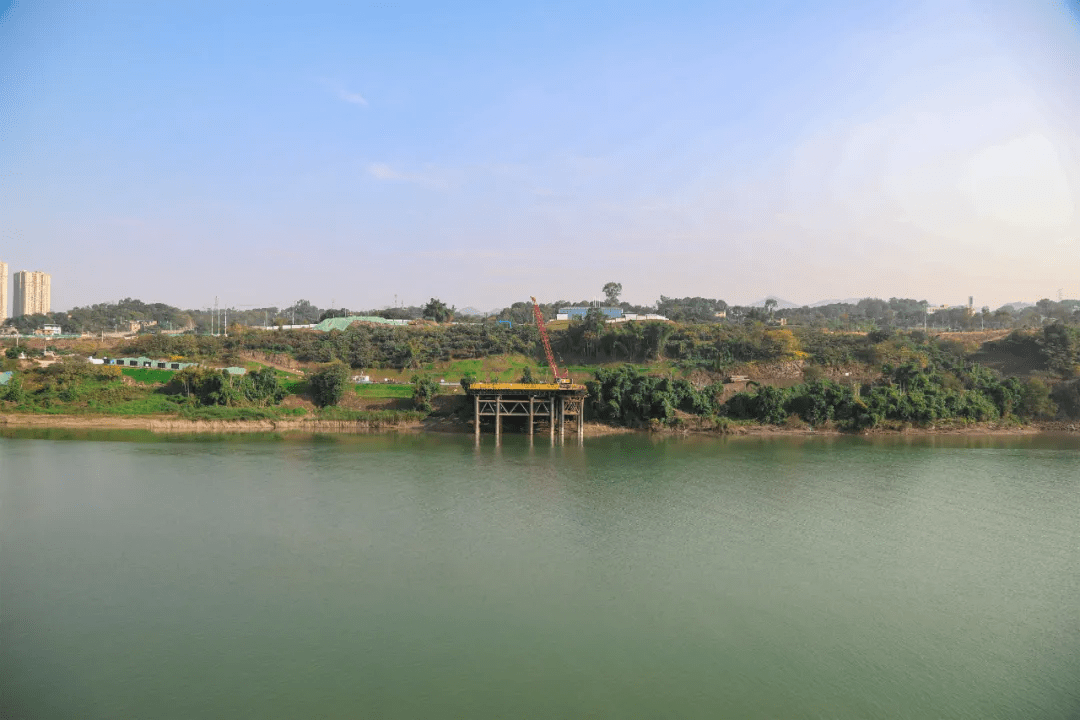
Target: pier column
[551, 416]
[498, 419]
[476, 416]
[562, 418]
[581, 422]
[531, 411]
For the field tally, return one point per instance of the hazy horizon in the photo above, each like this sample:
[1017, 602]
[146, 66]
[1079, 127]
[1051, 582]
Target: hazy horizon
[354, 155]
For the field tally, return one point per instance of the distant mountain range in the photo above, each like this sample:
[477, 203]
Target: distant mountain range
[847, 301]
[781, 304]
[473, 311]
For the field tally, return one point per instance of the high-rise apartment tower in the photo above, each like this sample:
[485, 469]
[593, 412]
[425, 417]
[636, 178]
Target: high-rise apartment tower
[33, 293]
[3, 291]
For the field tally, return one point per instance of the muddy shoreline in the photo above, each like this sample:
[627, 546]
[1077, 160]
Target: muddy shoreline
[177, 425]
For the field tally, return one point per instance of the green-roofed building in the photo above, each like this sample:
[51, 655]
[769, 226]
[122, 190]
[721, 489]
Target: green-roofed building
[341, 323]
[145, 362]
[139, 362]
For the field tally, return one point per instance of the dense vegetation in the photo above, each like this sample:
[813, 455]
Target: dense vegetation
[907, 394]
[130, 315]
[207, 386]
[674, 370]
[74, 386]
[716, 347]
[327, 384]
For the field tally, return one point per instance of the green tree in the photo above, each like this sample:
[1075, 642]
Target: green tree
[612, 291]
[327, 384]
[438, 311]
[424, 389]
[1061, 345]
[302, 312]
[333, 313]
[262, 386]
[208, 386]
[13, 390]
[1035, 400]
[656, 335]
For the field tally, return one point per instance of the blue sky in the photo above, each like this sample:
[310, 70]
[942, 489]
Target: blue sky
[483, 153]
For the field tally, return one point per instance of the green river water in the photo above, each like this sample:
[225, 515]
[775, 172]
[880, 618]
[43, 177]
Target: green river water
[389, 576]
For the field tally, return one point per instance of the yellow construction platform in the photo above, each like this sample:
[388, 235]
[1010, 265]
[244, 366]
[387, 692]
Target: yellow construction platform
[524, 387]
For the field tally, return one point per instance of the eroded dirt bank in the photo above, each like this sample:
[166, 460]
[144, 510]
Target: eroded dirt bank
[181, 425]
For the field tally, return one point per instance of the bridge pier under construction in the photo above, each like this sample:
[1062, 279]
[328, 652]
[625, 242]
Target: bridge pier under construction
[554, 403]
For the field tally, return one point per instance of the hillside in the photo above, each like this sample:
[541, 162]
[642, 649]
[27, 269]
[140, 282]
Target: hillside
[743, 372]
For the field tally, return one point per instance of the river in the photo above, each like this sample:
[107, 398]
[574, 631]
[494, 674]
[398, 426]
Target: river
[417, 576]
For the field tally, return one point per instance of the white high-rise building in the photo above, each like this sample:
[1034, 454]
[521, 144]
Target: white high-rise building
[33, 293]
[3, 292]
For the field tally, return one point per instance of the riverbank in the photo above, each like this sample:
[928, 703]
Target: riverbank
[179, 425]
[173, 424]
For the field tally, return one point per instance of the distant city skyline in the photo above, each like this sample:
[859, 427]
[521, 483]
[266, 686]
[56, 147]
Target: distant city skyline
[3, 290]
[38, 295]
[351, 154]
[32, 293]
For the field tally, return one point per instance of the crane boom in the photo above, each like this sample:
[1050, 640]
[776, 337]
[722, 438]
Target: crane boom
[560, 379]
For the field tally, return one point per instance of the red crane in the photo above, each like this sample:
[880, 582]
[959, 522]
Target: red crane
[564, 378]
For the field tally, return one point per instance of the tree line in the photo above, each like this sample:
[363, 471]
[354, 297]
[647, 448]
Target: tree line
[909, 393]
[866, 314]
[1054, 348]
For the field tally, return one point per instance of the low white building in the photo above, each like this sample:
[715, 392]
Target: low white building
[639, 318]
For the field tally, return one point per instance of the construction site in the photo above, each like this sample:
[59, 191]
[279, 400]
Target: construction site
[551, 403]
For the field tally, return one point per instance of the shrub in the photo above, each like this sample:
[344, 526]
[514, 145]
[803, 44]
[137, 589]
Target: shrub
[13, 391]
[327, 384]
[423, 390]
[263, 386]
[1067, 397]
[1035, 400]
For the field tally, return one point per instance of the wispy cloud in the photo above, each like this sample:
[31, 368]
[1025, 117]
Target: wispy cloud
[431, 179]
[342, 92]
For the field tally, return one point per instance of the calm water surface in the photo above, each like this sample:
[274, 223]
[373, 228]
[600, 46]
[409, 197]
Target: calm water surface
[420, 577]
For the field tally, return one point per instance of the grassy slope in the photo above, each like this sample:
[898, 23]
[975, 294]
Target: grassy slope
[508, 368]
[148, 375]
